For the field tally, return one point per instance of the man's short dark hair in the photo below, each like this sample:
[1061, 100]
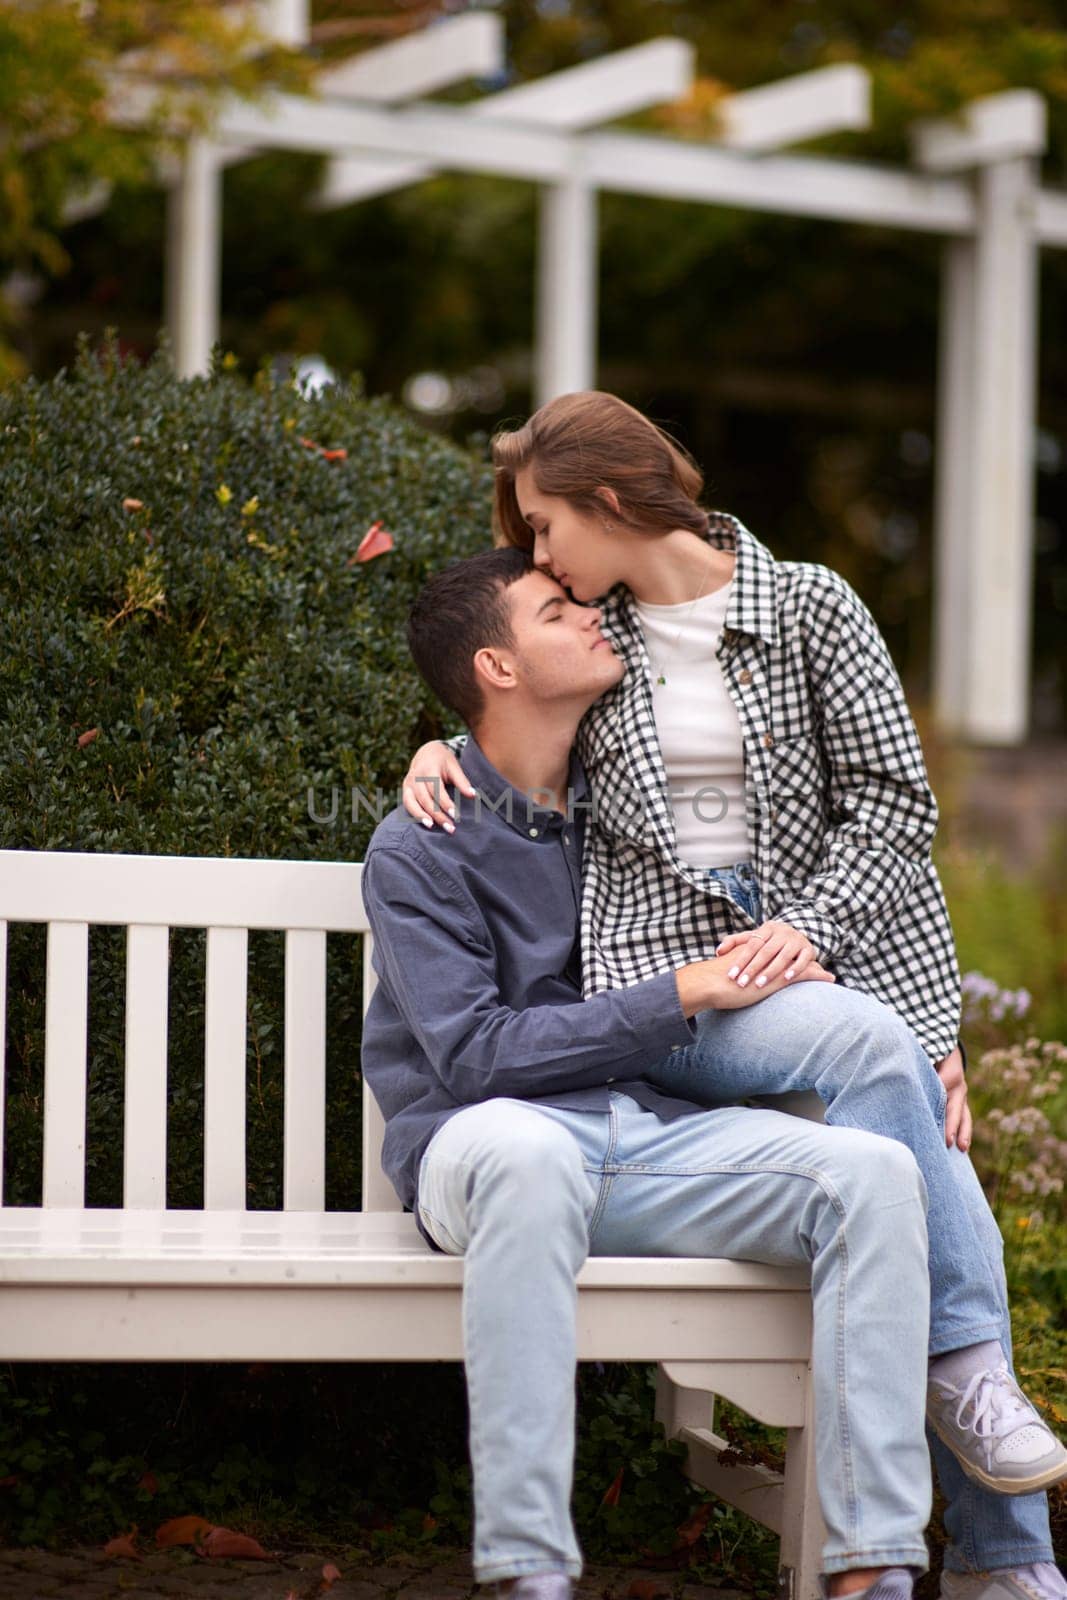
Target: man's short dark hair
[460, 611]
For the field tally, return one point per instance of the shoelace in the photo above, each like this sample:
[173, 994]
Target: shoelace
[998, 1410]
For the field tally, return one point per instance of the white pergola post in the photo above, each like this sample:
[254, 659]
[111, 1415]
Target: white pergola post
[566, 314]
[1005, 402]
[193, 258]
[985, 484]
[953, 482]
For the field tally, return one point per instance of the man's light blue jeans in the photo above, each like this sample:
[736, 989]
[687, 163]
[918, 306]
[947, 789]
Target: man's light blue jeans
[526, 1191]
[871, 1072]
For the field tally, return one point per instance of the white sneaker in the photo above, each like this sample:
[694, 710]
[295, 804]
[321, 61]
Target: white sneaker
[994, 1432]
[1017, 1583]
[536, 1586]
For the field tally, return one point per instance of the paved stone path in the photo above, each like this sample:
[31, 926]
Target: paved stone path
[180, 1575]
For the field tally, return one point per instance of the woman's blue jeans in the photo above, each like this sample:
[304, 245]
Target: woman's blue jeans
[871, 1072]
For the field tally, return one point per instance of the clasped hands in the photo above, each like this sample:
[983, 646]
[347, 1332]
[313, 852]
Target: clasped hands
[774, 949]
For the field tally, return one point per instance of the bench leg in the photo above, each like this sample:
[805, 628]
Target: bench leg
[789, 1504]
[803, 1530]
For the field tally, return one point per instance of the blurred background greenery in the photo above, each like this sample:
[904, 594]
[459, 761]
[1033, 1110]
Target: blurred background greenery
[796, 358]
[179, 664]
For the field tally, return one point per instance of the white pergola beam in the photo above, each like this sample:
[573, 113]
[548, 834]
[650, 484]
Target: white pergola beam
[630, 80]
[999, 127]
[447, 134]
[451, 51]
[1051, 220]
[829, 100]
[810, 186]
[284, 22]
[450, 138]
[598, 91]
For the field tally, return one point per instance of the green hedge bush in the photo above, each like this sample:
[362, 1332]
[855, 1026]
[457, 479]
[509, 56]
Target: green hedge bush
[188, 646]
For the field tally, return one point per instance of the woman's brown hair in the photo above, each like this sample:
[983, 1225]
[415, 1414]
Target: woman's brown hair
[580, 442]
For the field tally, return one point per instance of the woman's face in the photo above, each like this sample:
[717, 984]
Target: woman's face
[571, 546]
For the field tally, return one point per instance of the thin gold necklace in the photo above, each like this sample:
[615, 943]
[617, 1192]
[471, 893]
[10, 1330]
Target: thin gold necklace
[660, 678]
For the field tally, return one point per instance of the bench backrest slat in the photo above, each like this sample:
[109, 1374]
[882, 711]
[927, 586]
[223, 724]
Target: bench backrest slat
[3, 1044]
[378, 1192]
[225, 1043]
[149, 895]
[145, 1121]
[65, 1051]
[305, 1071]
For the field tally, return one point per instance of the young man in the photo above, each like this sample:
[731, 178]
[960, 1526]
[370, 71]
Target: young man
[520, 1127]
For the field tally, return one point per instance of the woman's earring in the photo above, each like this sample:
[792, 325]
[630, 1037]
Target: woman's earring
[608, 527]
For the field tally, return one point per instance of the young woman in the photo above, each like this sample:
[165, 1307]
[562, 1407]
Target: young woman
[761, 793]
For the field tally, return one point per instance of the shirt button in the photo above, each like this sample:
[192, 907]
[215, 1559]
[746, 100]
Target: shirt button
[768, 741]
[533, 833]
[744, 676]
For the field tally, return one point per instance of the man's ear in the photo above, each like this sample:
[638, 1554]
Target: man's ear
[609, 497]
[494, 669]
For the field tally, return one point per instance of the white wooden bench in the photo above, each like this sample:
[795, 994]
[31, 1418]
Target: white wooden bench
[144, 1283]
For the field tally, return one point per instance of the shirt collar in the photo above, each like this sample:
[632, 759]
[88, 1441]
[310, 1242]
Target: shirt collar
[753, 604]
[518, 811]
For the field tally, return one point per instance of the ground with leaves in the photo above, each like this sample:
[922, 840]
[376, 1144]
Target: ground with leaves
[91, 1575]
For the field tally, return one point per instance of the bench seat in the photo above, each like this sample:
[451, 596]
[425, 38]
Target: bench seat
[138, 1271]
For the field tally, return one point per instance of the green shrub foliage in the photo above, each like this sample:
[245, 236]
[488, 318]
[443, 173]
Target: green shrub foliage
[193, 661]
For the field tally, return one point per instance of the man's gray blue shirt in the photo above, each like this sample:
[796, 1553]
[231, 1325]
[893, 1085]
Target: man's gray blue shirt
[479, 993]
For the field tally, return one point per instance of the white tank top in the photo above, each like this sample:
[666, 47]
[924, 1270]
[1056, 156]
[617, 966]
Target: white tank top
[698, 727]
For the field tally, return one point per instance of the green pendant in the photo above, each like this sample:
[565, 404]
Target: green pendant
[662, 679]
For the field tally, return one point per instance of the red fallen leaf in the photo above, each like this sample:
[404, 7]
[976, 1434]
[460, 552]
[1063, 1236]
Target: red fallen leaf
[9, 1482]
[646, 1589]
[130, 504]
[330, 1575]
[613, 1492]
[148, 1482]
[327, 455]
[224, 1542]
[183, 1530]
[375, 542]
[87, 737]
[690, 1531]
[123, 1546]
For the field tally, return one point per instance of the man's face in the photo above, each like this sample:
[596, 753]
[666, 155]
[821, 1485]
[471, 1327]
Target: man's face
[560, 653]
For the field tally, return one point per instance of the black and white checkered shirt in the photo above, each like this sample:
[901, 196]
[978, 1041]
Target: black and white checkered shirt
[840, 812]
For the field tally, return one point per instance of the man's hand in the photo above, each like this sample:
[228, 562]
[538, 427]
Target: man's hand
[959, 1124]
[707, 986]
[762, 954]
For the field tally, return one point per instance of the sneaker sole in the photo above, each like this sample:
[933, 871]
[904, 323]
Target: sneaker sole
[1007, 1486]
